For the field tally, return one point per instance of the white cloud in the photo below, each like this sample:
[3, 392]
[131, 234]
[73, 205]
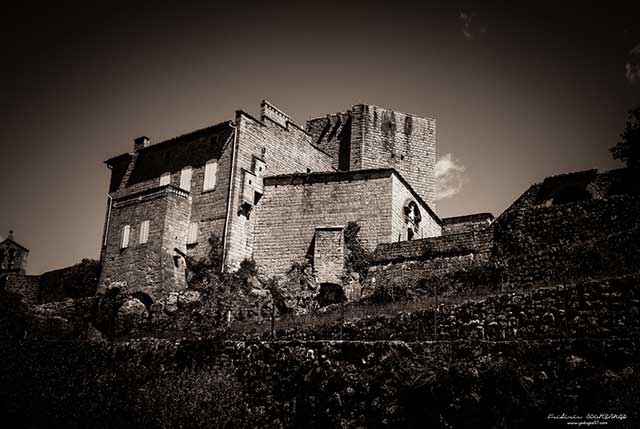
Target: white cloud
[449, 176]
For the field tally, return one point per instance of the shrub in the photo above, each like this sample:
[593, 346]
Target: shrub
[358, 258]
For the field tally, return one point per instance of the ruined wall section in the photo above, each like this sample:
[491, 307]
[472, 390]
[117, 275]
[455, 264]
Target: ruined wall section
[283, 150]
[288, 214]
[469, 223]
[472, 242]
[527, 246]
[383, 138]
[332, 134]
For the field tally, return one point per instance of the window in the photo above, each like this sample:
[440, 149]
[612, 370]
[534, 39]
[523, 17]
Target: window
[165, 179]
[210, 172]
[192, 237]
[144, 232]
[126, 230]
[185, 178]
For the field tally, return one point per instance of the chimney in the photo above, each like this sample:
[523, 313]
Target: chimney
[141, 142]
[10, 237]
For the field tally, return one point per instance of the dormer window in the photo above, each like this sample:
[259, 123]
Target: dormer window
[165, 179]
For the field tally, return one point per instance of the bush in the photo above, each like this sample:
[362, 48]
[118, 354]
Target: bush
[77, 281]
[358, 259]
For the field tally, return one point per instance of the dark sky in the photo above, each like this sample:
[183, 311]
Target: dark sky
[519, 93]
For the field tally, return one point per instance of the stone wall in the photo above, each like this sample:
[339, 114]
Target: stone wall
[287, 216]
[294, 205]
[472, 242]
[329, 254]
[401, 141]
[142, 170]
[332, 134]
[211, 383]
[283, 149]
[469, 223]
[21, 285]
[149, 267]
[527, 244]
[368, 136]
[602, 308]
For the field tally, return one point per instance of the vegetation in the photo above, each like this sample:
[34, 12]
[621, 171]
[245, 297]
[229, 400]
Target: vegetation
[77, 281]
[628, 149]
[358, 258]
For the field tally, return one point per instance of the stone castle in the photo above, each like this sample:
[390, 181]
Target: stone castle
[270, 190]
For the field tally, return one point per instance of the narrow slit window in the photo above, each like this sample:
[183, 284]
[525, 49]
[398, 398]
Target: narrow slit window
[144, 232]
[126, 230]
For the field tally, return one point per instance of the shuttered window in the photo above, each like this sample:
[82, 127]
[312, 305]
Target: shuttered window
[126, 230]
[144, 232]
[192, 237]
[210, 172]
[185, 178]
[165, 179]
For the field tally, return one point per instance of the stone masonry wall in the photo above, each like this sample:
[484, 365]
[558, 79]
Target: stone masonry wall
[329, 255]
[602, 308]
[207, 382]
[147, 267]
[529, 245]
[368, 136]
[284, 150]
[460, 224]
[402, 141]
[287, 216]
[142, 173]
[24, 286]
[473, 242]
[332, 134]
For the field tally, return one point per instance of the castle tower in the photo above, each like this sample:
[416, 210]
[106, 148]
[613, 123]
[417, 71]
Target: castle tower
[368, 137]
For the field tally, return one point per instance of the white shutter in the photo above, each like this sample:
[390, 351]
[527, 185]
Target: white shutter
[192, 237]
[125, 236]
[144, 232]
[185, 178]
[210, 172]
[165, 179]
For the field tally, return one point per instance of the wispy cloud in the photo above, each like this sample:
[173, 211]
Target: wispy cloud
[449, 176]
[632, 68]
[471, 28]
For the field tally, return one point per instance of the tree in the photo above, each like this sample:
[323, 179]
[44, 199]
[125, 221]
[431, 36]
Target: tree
[628, 150]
